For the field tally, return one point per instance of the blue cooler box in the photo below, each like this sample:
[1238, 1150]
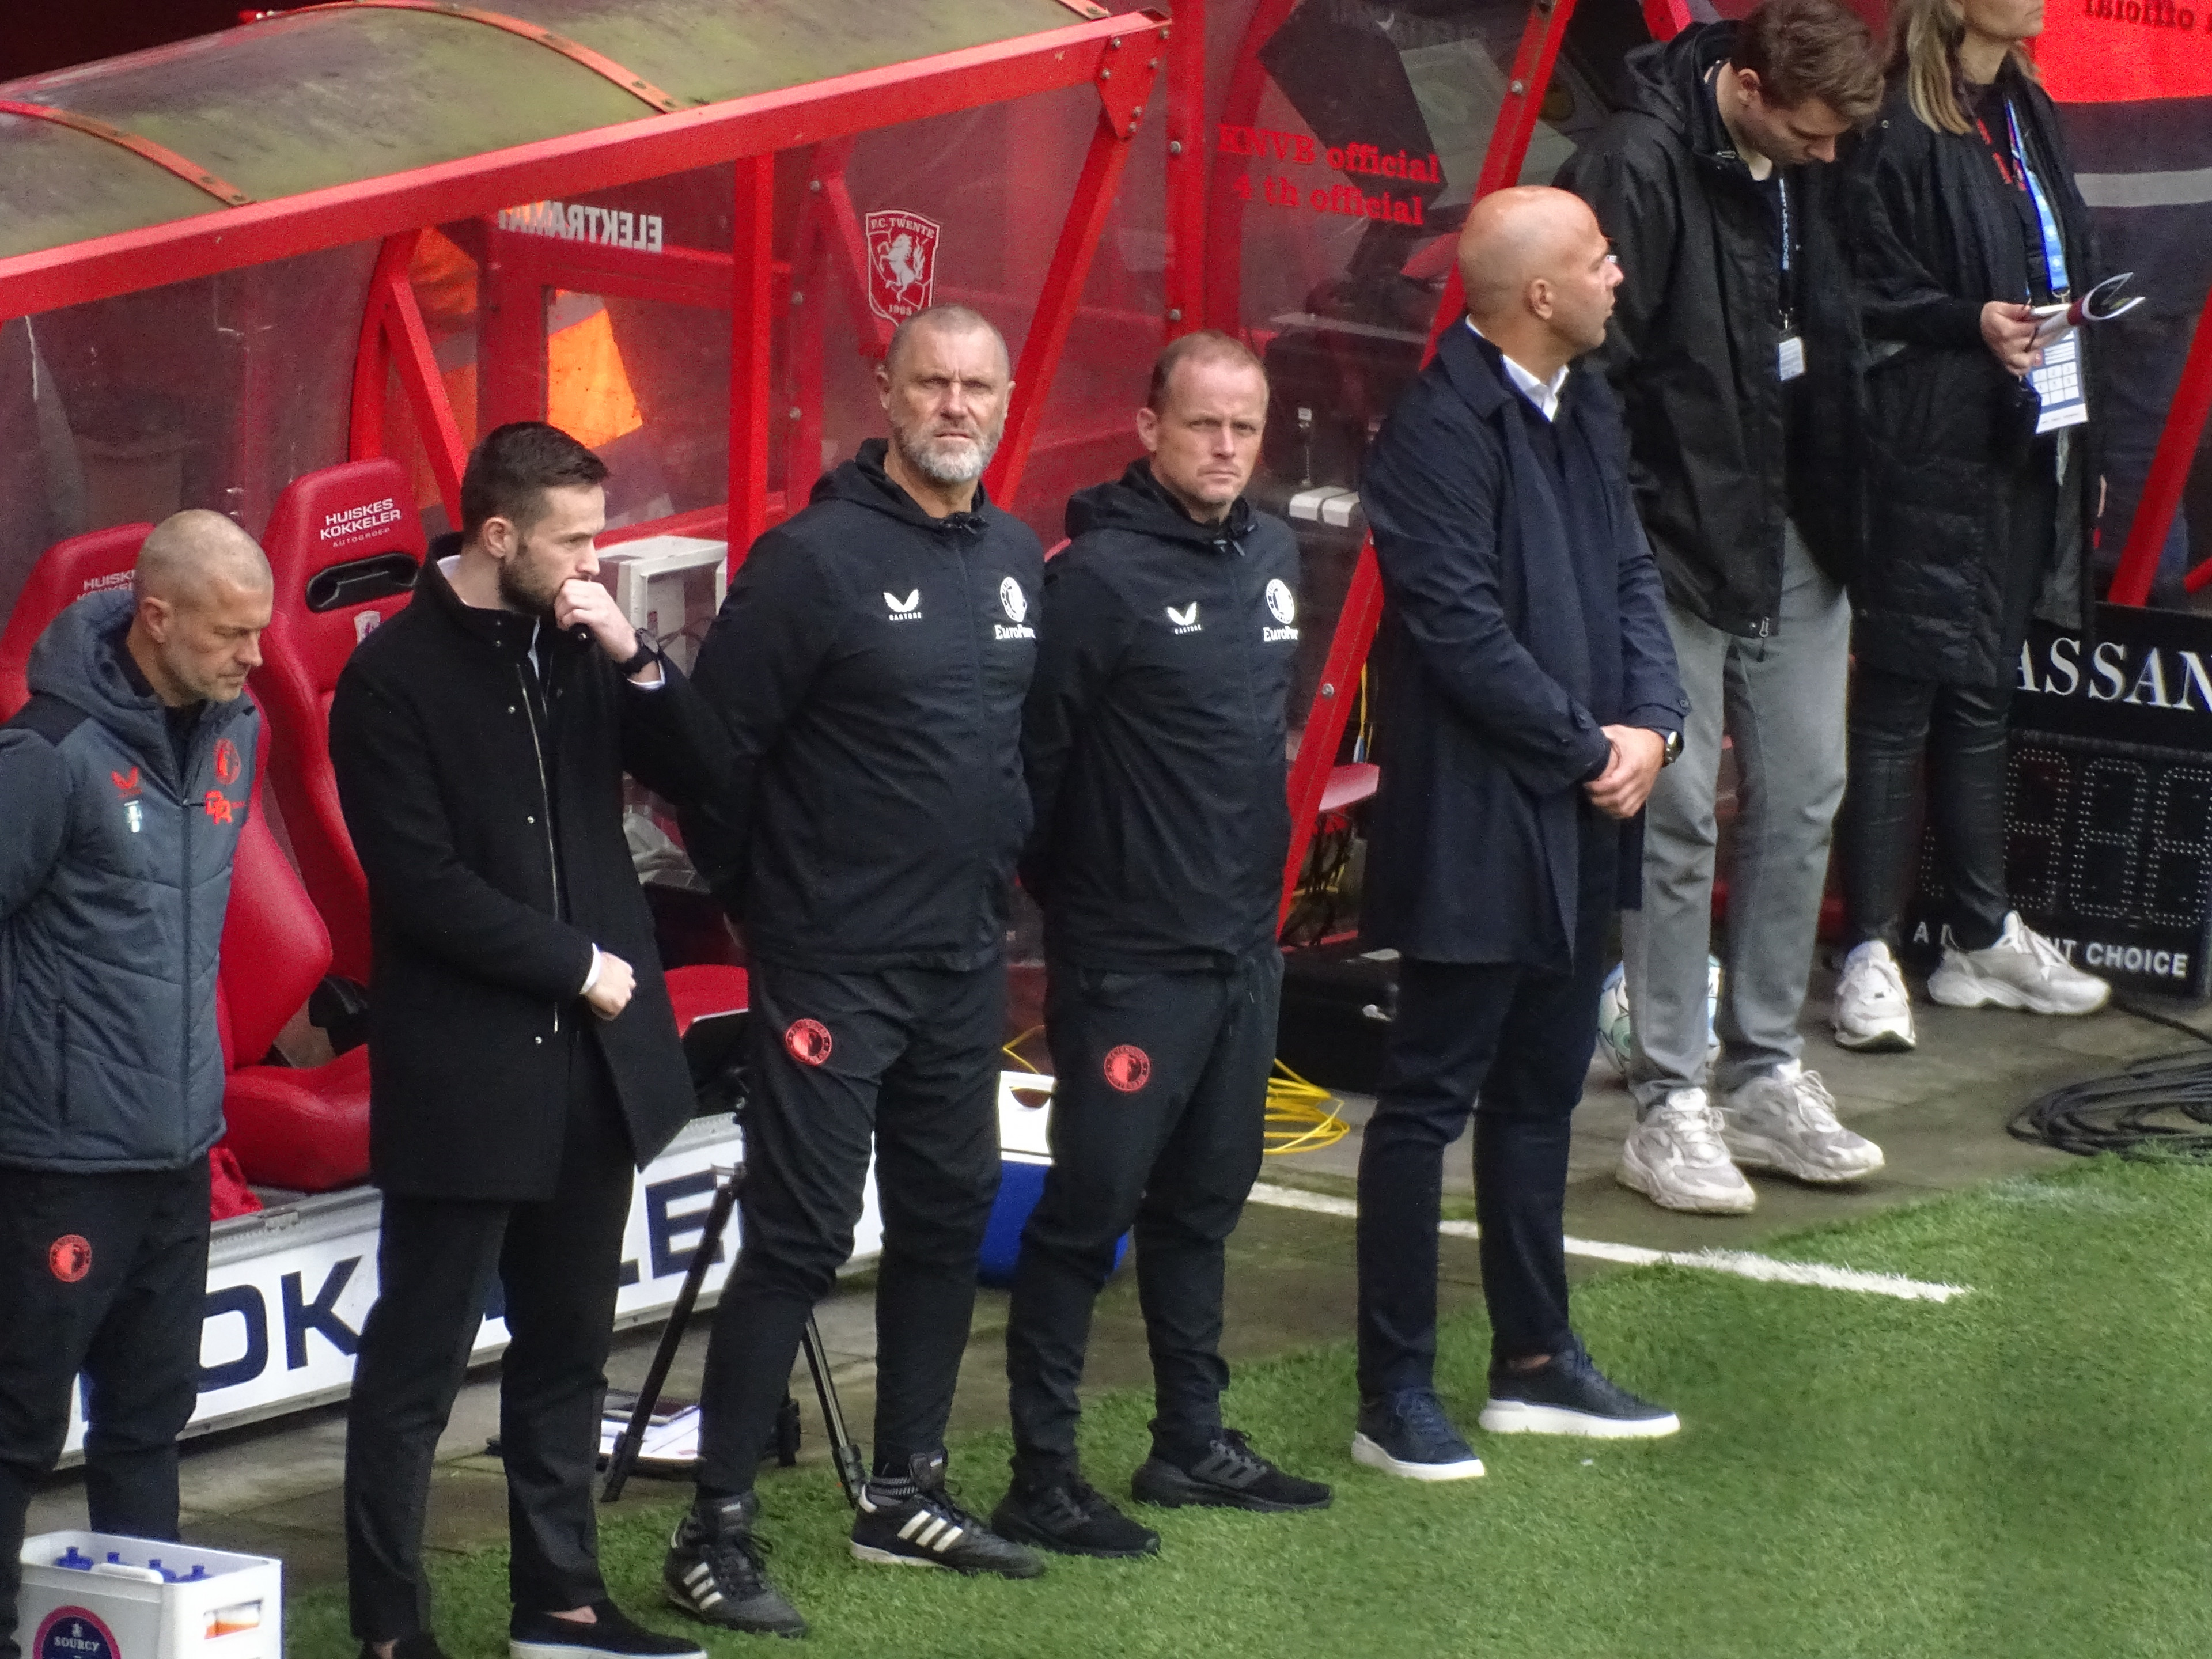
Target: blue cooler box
[1025, 1108]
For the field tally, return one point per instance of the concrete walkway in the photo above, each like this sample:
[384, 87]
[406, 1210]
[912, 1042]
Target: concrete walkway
[1938, 1113]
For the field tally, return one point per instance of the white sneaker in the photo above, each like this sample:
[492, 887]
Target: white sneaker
[1675, 1158]
[1786, 1121]
[1874, 1011]
[2022, 970]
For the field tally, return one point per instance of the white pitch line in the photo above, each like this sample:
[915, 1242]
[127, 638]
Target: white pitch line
[1742, 1264]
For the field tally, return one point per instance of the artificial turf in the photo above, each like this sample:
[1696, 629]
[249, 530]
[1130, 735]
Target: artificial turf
[2022, 1472]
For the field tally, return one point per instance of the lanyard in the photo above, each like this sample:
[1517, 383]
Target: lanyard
[2054, 244]
[2032, 201]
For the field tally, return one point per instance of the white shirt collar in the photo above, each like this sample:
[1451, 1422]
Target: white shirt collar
[1545, 394]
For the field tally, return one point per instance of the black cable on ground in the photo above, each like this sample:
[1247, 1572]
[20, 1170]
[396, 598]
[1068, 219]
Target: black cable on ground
[2159, 1107]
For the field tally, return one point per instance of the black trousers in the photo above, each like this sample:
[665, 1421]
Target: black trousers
[105, 1274]
[1158, 1120]
[907, 1058]
[1962, 730]
[1521, 1041]
[558, 1263]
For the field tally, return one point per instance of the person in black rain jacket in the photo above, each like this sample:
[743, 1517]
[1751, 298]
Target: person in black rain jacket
[1156, 750]
[869, 665]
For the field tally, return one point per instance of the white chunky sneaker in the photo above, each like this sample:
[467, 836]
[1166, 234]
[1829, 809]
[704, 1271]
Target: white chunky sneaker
[2022, 970]
[1675, 1158]
[1874, 1011]
[1786, 1121]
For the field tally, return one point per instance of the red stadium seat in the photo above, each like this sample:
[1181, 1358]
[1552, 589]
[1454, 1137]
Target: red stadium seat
[65, 573]
[344, 543]
[303, 1128]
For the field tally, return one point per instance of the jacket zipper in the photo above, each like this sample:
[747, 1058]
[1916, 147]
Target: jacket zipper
[975, 659]
[1245, 650]
[546, 798]
[185, 885]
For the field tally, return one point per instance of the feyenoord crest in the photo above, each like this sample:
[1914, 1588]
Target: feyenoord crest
[1127, 1067]
[901, 262]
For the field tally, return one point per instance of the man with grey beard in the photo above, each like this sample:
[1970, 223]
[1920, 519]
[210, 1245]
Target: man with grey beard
[869, 665]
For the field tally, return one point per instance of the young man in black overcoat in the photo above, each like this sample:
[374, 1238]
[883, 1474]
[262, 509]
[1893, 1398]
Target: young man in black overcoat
[869, 665]
[1154, 745]
[1528, 700]
[523, 1054]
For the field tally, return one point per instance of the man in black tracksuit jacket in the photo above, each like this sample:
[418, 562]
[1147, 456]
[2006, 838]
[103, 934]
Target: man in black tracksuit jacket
[1154, 741]
[523, 1056]
[869, 666]
[123, 785]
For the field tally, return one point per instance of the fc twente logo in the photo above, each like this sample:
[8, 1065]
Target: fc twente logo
[1185, 621]
[901, 262]
[904, 609]
[1016, 605]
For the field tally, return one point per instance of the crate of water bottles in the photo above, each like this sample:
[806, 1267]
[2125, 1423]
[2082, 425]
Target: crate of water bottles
[90, 1596]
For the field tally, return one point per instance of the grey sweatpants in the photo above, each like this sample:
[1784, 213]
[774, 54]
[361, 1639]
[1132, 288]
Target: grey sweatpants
[1783, 700]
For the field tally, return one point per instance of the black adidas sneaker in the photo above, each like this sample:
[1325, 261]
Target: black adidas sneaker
[1071, 1517]
[1229, 1476]
[928, 1529]
[713, 1569]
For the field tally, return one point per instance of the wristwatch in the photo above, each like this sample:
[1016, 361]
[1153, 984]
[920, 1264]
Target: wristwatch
[1672, 751]
[648, 651]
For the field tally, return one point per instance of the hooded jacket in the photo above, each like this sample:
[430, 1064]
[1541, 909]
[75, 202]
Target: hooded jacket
[1696, 333]
[114, 879]
[1154, 736]
[869, 666]
[1973, 528]
[479, 756]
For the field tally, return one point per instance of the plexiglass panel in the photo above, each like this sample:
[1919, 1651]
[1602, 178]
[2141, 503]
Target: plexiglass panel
[213, 394]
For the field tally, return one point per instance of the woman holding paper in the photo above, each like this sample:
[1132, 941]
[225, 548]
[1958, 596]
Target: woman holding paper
[1967, 229]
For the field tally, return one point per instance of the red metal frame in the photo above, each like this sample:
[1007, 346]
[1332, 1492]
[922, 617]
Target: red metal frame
[518, 269]
[830, 250]
[752, 280]
[1184, 290]
[2169, 475]
[393, 340]
[1363, 601]
[1125, 81]
[479, 185]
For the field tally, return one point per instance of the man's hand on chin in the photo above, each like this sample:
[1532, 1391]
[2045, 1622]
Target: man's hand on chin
[583, 602]
[1621, 789]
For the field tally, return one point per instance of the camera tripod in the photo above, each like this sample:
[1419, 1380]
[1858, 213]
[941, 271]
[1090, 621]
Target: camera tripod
[852, 1467]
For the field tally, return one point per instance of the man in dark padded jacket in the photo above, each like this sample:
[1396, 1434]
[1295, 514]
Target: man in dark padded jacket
[1154, 741]
[124, 784]
[869, 665]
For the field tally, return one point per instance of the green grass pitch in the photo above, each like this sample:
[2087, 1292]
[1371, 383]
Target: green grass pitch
[2020, 1473]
